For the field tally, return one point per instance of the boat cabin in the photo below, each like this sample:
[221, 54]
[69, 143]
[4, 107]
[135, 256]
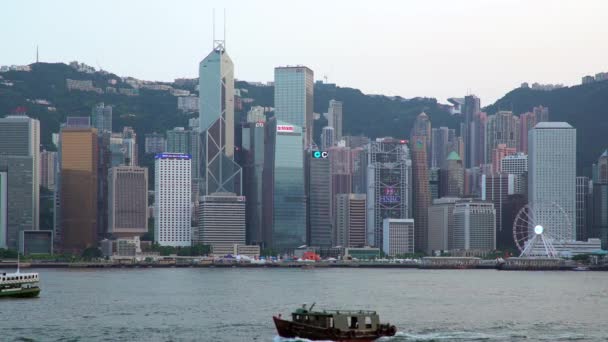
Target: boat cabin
[16, 278]
[344, 320]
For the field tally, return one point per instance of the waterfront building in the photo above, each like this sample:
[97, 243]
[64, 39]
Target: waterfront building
[389, 185]
[441, 224]
[284, 195]
[552, 175]
[155, 143]
[101, 118]
[219, 171]
[340, 172]
[127, 201]
[599, 222]
[328, 138]
[584, 196]
[293, 98]
[350, 220]
[20, 161]
[3, 209]
[36, 242]
[510, 209]
[172, 189]
[398, 236]
[78, 187]
[474, 225]
[221, 221]
[48, 169]
[320, 233]
[502, 129]
[421, 192]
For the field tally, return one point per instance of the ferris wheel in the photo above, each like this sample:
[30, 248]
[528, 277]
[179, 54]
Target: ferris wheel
[538, 226]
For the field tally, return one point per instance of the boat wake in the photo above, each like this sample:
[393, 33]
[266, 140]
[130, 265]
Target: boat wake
[442, 336]
[297, 339]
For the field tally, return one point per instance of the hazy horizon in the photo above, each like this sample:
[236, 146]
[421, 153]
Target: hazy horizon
[435, 48]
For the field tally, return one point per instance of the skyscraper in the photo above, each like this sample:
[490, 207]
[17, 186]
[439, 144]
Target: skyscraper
[421, 129]
[20, 161]
[584, 197]
[472, 106]
[441, 224]
[389, 182]
[516, 164]
[79, 187]
[340, 170]
[599, 224]
[221, 221]
[495, 189]
[180, 140]
[421, 192]
[254, 149]
[334, 118]
[502, 128]
[172, 195]
[101, 117]
[284, 195]
[219, 171]
[478, 132]
[327, 137]
[127, 201]
[439, 146]
[350, 220]
[452, 180]
[359, 170]
[320, 232]
[474, 225]
[552, 176]
[48, 162]
[293, 98]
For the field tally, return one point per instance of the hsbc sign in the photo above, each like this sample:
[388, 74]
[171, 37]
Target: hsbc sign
[284, 128]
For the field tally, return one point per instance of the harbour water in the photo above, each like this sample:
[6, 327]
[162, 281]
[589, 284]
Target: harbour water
[237, 304]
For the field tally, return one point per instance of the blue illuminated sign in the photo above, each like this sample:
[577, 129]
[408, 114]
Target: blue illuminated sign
[319, 154]
[172, 156]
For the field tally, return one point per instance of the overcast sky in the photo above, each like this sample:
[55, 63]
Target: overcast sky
[408, 48]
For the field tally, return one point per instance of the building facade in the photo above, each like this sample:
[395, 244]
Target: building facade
[389, 186]
[127, 201]
[552, 176]
[334, 118]
[398, 236]
[293, 98]
[221, 221]
[172, 188]
[421, 191]
[441, 224]
[350, 220]
[320, 227]
[474, 225]
[79, 188]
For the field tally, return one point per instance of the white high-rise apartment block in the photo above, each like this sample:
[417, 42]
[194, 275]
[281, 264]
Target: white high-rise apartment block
[516, 164]
[552, 176]
[172, 187]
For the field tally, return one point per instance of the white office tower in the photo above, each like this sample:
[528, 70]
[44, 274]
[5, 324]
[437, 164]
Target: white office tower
[474, 225]
[328, 137]
[516, 164]
[398, 236]
[172, 188]
[334, 118]
[552, 177]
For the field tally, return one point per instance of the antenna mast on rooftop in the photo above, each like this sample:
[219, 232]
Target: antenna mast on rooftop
[219, 44]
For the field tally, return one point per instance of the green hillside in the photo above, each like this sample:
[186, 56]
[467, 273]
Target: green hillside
[585, 107]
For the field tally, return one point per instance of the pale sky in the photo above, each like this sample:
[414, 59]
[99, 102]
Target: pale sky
[436, 48]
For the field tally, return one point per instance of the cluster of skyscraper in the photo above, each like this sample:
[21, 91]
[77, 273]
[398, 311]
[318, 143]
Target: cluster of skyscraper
[263, 182]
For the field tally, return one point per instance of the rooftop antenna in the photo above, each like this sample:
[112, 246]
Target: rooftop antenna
[37, 54]
[213, 28]
[224, 29]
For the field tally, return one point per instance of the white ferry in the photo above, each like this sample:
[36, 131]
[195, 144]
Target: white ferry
[19, 285]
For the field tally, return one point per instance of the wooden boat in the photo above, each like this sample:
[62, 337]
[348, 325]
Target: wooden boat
[334, 325]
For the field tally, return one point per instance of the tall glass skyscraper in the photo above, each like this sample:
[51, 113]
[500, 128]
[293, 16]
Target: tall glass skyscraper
[293, 98]
[284, 196]
[216, 119]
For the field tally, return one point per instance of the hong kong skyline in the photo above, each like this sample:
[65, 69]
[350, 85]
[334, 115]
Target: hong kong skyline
[434, 49]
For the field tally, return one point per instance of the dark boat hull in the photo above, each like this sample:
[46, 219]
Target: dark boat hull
[290, 329]
[23, 293]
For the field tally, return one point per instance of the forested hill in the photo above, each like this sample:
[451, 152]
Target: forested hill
[156, 111]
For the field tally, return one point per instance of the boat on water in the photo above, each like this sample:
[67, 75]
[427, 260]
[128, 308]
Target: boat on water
[334, 325]
[19, 285]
